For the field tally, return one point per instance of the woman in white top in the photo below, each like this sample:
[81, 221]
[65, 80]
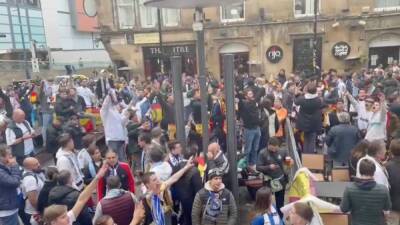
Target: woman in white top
[377, 153]
[376, 129]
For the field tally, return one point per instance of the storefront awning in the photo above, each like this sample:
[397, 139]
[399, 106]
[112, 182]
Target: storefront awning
[233, 48]
[385, 40]
[124, 68]
[353, 57]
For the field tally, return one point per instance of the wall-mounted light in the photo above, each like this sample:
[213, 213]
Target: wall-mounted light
[362, 22]
[336, 24]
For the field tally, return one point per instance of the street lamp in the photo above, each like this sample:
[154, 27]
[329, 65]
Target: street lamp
[198, 27]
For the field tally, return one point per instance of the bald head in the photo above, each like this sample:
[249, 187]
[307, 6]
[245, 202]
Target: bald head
[214, 148]
[31, 164]
[18, 116]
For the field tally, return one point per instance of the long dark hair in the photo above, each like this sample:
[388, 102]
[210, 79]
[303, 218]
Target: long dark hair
[263, 200]
[360, 150]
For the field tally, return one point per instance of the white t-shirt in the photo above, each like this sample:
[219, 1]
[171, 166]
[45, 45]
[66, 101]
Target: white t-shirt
[28, 143]
[86, 94]
[380, 175]
[29, 183]
[84, 158]
[162, 169]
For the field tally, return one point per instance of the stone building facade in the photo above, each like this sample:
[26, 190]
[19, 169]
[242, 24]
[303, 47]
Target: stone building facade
[264, 35]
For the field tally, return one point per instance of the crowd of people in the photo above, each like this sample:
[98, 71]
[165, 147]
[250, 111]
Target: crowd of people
[144, 176]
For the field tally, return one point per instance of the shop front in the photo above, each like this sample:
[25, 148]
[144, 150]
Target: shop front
[383, 50]
[241, 57]
[157, 61]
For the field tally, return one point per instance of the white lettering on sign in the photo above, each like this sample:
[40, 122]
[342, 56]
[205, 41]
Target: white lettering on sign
[341, 50]
[273, 54]
[155, 50]
[175, 50]
[180, 49]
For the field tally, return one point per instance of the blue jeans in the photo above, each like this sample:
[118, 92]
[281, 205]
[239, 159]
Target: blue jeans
[119, 148]
[251, 143]
[10, 220]
[47, 119]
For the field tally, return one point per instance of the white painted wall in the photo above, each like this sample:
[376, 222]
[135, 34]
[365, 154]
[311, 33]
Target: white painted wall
[60, 34]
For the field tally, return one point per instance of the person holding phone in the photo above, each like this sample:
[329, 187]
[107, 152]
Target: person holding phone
[19, 136]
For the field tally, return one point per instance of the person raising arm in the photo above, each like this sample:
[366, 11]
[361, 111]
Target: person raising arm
[58, 214]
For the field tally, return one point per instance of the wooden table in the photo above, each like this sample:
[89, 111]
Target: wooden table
[331, 189]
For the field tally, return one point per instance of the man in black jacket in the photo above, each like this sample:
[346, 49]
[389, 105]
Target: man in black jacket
[65, 106]
[393, 168]
[271, 163]
[309, 118]
[249, 112]
[65, 194]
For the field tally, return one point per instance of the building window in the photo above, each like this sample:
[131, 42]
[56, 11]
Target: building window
[233, 13]
[304, 7]
[33, 3]
[126, 13]
[387, 5]
[171, 17]
[28, 3]
[303, 55]
[148, 15]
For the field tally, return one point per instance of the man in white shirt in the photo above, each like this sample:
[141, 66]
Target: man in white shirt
[377, 154]
[86, 93]
[158, 165]
[114, 122]
[68, 160]
[32, 184]
[19, 136]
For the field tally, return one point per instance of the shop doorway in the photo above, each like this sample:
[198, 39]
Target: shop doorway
[155, 63]
[241, 57]
[384, 50]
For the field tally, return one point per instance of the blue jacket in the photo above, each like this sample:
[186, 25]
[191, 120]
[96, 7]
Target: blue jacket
[10, 179]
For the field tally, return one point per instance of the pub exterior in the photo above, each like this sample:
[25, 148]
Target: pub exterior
[264, 36]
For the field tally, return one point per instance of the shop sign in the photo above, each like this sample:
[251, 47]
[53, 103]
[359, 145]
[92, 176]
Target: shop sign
[274, 54]
[341, 50]
[146, 38]
[169, 51]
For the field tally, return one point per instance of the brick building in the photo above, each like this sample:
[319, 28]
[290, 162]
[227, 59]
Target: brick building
[264, 35]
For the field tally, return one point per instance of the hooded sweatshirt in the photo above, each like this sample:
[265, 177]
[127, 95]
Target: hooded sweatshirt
[366, 201]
